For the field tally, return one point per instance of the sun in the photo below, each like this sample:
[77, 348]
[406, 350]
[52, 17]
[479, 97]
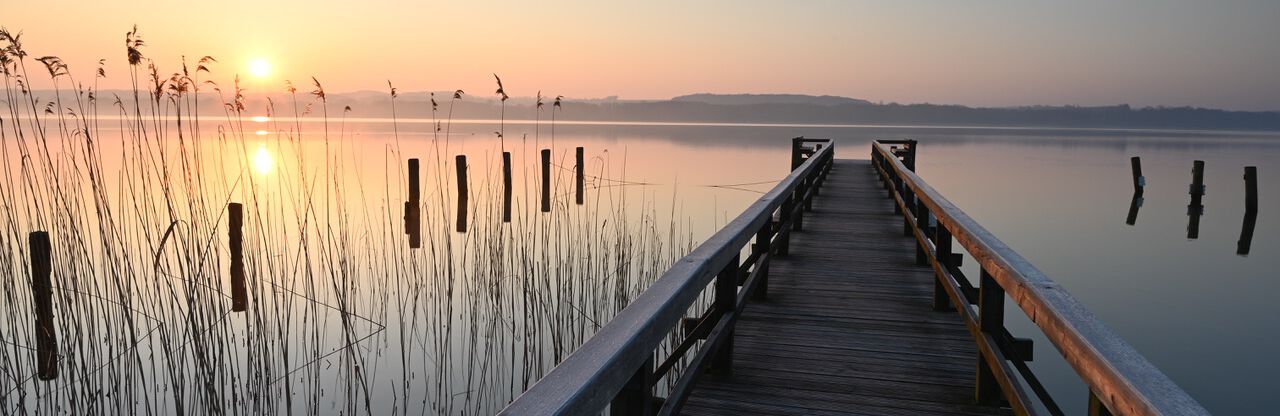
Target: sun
[259, 68]
[262, 161]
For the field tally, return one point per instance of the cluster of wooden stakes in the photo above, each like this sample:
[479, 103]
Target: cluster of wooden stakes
[1196, 208]
[42, 267]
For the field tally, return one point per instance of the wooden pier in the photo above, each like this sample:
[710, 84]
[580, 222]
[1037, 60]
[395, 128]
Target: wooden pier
[840, 291]
[849, 325]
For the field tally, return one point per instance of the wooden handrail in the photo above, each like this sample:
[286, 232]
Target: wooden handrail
[1119, 378]
[591, 377]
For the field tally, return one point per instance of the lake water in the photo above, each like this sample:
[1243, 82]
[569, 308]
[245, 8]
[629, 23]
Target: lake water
[1060, 197]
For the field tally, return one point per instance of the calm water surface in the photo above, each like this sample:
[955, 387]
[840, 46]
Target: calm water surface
[1060, 197]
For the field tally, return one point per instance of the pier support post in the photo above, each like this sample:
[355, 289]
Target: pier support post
[42, 294]
[235, 223]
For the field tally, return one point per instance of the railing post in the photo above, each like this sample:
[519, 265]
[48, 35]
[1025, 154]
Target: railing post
[1096, 408]
[922, 223]
[636, 397]
[810, 189]
[763, 248]
[784, 216]
[797, 149]
[910, 159]
[908, 199]
[797, 222]
[942, 251]
[897, 189]
[726, 302]
[990, 321]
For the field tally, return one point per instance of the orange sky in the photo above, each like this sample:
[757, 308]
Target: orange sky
[991, 53]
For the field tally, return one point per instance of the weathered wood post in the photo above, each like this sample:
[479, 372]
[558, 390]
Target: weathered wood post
[235, 223]
[942, 252]
[990, 321]
[764, 247]
[413, 208]
[797, 152]
[42, 294]
[784, 218]
[546, 180]
[1196, 209]
[636, 397]
[1139, 185]
[910, 159]
[1250, 210]
[726, 302]
[578, 172]
[922, 224]
[1139, 181]
[506, 186]
[1251, 188]
[461, 162]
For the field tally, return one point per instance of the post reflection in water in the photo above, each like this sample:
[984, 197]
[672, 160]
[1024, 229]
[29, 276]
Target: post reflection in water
[1134, 205]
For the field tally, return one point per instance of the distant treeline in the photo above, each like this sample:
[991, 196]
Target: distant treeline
[779, 109]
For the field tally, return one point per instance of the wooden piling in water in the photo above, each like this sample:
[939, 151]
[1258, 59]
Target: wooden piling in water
[578, 171]
[413, 209]
[1251, 188]
[1196, 209]
[42, 294]
[1139, 182]
[1250, 210]
[461, 162]
[506, 186]
[546, 180]
[235, 221]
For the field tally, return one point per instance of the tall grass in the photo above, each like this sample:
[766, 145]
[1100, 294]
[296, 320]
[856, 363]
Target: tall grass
[342, 315]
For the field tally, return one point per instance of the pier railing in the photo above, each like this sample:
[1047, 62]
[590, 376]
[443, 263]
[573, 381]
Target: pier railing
[619, 366]
[1120, 380]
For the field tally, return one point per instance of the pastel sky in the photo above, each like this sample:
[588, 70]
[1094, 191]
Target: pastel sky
[1223, 54]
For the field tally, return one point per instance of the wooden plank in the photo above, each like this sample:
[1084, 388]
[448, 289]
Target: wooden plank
[849, 325]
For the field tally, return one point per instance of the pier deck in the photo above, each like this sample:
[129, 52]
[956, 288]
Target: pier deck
[849, 325]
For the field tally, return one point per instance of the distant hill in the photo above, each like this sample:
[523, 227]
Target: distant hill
[761, 99]
[751, 108]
